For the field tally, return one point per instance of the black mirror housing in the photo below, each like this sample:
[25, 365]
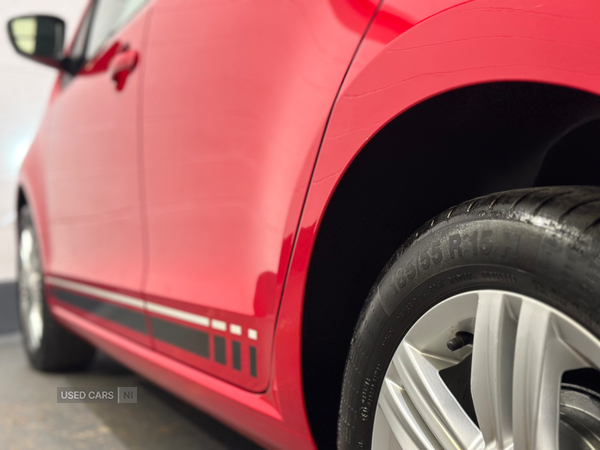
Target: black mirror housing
[40, 38]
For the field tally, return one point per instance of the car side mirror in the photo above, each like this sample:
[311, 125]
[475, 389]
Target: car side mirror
[40, 38]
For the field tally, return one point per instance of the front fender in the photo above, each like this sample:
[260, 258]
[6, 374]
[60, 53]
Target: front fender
[411, 54]
[478, 42]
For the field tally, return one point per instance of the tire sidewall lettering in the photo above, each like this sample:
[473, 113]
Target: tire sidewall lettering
[459, 257]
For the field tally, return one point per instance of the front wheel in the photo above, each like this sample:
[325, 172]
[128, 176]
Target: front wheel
[483, 331]
[48, 345]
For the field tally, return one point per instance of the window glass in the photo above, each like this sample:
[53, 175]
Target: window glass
[78, 46]
[129, 9]
[76, 54]
[109, 15]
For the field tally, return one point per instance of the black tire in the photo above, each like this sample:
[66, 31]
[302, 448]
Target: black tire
[541, 242]
[59, 349]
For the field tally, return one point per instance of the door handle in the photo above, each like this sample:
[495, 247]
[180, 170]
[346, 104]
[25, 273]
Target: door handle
[121, 66]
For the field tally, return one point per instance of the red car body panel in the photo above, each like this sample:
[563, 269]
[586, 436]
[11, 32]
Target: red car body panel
[91, 178]
[231, 192]
[230, 138]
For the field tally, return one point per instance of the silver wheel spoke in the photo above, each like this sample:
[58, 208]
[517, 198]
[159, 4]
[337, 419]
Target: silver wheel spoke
[521, 348]
[30, 290]
[540, 360]
[35, 324]
[26, 250]
[492, 368]
[437, 406]
[402, 419]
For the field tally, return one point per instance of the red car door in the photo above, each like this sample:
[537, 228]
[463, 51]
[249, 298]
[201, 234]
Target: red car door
[92, 180]
[236, 98]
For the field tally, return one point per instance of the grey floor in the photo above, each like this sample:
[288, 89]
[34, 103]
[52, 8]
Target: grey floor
[30, 417]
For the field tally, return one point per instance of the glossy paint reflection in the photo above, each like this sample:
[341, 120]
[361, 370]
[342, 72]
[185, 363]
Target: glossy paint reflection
[237, 101]
[227, 137]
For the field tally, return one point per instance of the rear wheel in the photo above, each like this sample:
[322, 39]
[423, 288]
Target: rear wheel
[483, 331]
[48, 345]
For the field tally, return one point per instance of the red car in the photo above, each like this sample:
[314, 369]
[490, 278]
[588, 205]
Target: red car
[250, 203]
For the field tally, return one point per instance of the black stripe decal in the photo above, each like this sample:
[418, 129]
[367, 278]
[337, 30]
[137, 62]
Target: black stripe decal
[115, 313]
[220, 355]
[253, 361]
[236, 355]
[190, 339]
[186, 338]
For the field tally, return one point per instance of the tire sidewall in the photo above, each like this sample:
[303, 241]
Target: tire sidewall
[457, 256]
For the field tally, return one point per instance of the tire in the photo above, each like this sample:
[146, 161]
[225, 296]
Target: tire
[541, 244]
[48, 345]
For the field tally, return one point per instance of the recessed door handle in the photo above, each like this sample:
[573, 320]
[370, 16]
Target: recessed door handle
[121, 66]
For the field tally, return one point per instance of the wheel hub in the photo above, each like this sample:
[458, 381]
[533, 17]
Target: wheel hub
[579, 418]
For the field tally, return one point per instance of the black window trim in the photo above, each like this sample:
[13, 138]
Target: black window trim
[72, 67]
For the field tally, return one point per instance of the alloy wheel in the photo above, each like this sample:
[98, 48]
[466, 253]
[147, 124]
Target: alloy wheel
[505, 391]
[30, 290]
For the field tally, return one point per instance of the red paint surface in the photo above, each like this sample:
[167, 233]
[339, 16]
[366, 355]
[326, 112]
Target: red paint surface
[231, 111]
[91, 172]
[236, 97]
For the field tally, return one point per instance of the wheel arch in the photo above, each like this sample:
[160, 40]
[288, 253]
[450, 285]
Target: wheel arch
[365, 221]
[404, 95]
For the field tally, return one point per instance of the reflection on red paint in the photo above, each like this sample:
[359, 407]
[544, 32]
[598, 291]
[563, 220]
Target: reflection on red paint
[197, 187]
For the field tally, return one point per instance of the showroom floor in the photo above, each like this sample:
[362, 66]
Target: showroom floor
[30, 417]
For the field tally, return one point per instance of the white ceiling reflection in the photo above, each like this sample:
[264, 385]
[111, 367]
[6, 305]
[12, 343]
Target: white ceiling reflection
[24, 91]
